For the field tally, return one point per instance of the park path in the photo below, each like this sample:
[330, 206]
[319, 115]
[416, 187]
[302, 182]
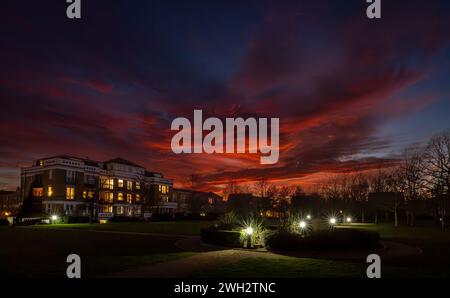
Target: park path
[187, 266]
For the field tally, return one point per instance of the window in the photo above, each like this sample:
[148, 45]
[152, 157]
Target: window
[107, 197]
[120, 183]
[129, 198]
[41, 163]
[120, 210]
[49, 191]
[70, 193]
[108, 209]
[120, 196]
[129, 185]
[165, 199]
[50, 174]
[138, 197]
[138, 185]
[163, 189]
[38, 192]
[89, 179]
[90, 194]
[111, 183]
[84, 194]
[70, 177]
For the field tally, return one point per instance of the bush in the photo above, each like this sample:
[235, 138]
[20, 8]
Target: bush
[74, 219]
[219, 237]
[338, 239]
[4, 222]
[124, 219]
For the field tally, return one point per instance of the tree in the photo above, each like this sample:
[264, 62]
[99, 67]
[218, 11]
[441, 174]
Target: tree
[437, 171]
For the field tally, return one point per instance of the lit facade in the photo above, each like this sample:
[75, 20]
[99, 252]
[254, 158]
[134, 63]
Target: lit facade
[67, 185]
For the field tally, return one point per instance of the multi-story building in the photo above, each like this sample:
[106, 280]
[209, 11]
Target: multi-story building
[67, 185]
[9, 202]
[198, 202]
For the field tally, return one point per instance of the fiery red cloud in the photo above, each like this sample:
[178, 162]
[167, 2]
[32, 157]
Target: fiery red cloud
[331, 76]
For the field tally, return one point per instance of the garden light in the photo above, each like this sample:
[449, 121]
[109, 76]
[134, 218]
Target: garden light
[302, 224]
[54, 217]
[248, 231]
[333, 221]
[308, 216]
[349, 219]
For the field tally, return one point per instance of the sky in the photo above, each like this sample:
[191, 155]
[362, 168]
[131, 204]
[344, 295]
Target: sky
[351, 93]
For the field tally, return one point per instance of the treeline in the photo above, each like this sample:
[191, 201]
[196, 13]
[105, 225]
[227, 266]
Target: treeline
[419, 184]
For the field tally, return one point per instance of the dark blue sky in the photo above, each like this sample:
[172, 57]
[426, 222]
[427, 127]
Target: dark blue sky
[350, 92]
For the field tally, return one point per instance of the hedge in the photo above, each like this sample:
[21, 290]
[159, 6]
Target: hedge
[219, 237]
[337, 239]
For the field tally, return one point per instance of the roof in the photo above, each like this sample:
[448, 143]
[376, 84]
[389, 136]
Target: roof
[124, 162]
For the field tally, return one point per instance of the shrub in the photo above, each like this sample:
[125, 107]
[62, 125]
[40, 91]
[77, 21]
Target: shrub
[337, 239]
[123, 219]
[74, 219]
[219, 237]
[4, 222]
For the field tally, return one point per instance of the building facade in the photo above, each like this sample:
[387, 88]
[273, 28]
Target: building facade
[9, 202]
[67, 185]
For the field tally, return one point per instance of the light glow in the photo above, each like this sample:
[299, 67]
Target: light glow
[54, 217]
[249, 231]
[302, 224]
[333, 221]
[349, 219]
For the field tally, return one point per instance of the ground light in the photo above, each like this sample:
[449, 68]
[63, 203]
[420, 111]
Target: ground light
[248, 231]
[333, 221]
[302, 224]
[349, 219]
[54, 218]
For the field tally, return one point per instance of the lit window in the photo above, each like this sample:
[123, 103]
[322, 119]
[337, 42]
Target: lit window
[70, 193]
[120, 183]
[210, 201]
[41, 163]
[84, 194]
[120, 196]
[38, 192]
[107, 209]
[90, 194]
[49, 191]
[111, 183]
[129, 198]
[138, 185]
[120, 210]
[129, 185]
[163, 189]
[138, 197]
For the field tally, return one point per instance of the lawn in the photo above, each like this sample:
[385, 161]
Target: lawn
[30, 252]
[171, 228]
[286, 267]
[41, 251]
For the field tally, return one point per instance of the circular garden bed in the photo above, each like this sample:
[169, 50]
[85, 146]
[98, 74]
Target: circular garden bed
[336, 239]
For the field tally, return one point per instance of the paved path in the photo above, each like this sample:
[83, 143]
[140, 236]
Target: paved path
[185, 267]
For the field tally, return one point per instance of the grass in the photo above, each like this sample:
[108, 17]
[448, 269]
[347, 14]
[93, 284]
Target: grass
[29, 252]
[171, 228]
[286, 267]
[41, 251]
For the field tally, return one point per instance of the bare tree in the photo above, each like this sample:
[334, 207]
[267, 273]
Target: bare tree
[437, 171]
